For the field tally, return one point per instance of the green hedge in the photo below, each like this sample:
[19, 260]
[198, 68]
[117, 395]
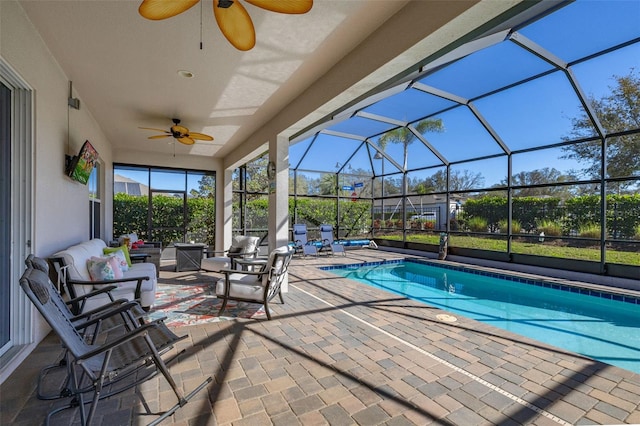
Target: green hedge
[130, 214]
[623, 213]
[354, 220]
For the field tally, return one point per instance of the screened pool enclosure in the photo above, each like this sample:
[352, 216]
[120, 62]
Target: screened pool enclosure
[520, 144]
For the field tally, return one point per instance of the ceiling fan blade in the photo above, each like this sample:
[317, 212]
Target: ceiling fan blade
[157, 130]
[179, 129]
[186, 140]
[235, 24]
[162, 9]
[200, 136]
[159, 137]
[284, 6]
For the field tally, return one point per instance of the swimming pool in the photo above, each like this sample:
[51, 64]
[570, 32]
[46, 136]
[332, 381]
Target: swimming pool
[601, 325]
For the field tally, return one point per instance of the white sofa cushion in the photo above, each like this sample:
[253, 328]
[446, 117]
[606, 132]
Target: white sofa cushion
[76, 258]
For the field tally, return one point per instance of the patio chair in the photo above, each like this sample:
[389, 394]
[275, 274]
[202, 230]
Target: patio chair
[259, 286]
[328, 243]
[118, 317]
[78, 320]
[242, 247]
[301, 242]
[108, 368]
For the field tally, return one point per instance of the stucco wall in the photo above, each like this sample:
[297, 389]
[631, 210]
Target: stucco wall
[60, 216]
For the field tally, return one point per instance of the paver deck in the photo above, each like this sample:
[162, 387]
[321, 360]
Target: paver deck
[341, 353]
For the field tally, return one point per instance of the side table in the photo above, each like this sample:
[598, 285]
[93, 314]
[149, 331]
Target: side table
[188, 256]
[138, 257]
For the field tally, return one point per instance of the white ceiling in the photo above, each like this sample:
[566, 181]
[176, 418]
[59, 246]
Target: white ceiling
[125, 68]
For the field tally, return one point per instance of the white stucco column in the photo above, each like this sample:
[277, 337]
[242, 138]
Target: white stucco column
[224, 210]
[279, 195]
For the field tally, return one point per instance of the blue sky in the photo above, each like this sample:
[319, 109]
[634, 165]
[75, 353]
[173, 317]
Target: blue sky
[537, 113]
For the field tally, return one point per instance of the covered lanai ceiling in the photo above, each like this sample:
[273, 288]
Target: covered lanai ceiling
[126, 70]
[513, 90]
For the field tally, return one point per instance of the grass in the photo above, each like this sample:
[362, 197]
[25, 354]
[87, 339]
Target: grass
[528, 247]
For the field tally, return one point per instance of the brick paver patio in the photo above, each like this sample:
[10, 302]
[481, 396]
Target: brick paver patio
[340, 353]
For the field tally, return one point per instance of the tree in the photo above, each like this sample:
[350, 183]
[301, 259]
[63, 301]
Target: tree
[404, 136]
[257, 179]
[540, 177]
[459, 180]
[327, 184]
[302, 184]
[206, 187]
[617, 111]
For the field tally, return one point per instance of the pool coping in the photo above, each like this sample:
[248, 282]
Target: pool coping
[588, 289]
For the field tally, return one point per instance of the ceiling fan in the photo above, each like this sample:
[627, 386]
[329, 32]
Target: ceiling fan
[233, 19]
[180, 133]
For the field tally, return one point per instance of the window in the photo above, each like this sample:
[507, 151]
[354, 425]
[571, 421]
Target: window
[164, 204]
[95, 206]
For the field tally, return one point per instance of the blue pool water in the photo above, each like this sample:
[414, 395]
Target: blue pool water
[599, 325]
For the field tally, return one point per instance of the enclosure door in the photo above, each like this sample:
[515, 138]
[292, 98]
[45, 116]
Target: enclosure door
[168, 216]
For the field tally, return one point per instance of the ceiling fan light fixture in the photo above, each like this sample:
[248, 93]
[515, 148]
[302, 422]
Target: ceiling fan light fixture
[225, 3]
[179, 133]
[185, 74]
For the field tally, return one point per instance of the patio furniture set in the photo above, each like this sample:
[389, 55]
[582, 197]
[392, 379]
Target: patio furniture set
[110, 344]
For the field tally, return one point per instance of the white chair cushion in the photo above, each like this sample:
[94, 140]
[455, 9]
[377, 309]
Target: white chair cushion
[240, 244]
[215, 264]
[245, 243]
[242, 286]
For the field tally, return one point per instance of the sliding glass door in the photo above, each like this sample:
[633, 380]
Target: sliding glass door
[5, 217]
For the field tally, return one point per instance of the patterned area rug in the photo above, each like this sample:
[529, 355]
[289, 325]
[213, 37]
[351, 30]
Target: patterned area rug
[185, 305]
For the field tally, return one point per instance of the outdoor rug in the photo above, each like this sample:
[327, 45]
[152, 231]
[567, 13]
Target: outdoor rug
[196, 304]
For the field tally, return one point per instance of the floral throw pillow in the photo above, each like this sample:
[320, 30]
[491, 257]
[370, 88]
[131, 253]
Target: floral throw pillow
[124, 249]
[103, 268]
[120, 257]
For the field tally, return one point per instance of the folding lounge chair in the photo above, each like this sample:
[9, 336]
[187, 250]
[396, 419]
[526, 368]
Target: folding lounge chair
[117, 317]
[301, 242]
[256, 286]
[108, 368]
[328, 243]
[79, 321]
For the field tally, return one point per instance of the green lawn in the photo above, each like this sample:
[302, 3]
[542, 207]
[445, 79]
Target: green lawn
[532, 248]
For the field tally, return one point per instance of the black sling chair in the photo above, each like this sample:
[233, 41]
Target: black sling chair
[104, 369]
[109, 323]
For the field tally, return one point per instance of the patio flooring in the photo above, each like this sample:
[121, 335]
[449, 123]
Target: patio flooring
[341, 353]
